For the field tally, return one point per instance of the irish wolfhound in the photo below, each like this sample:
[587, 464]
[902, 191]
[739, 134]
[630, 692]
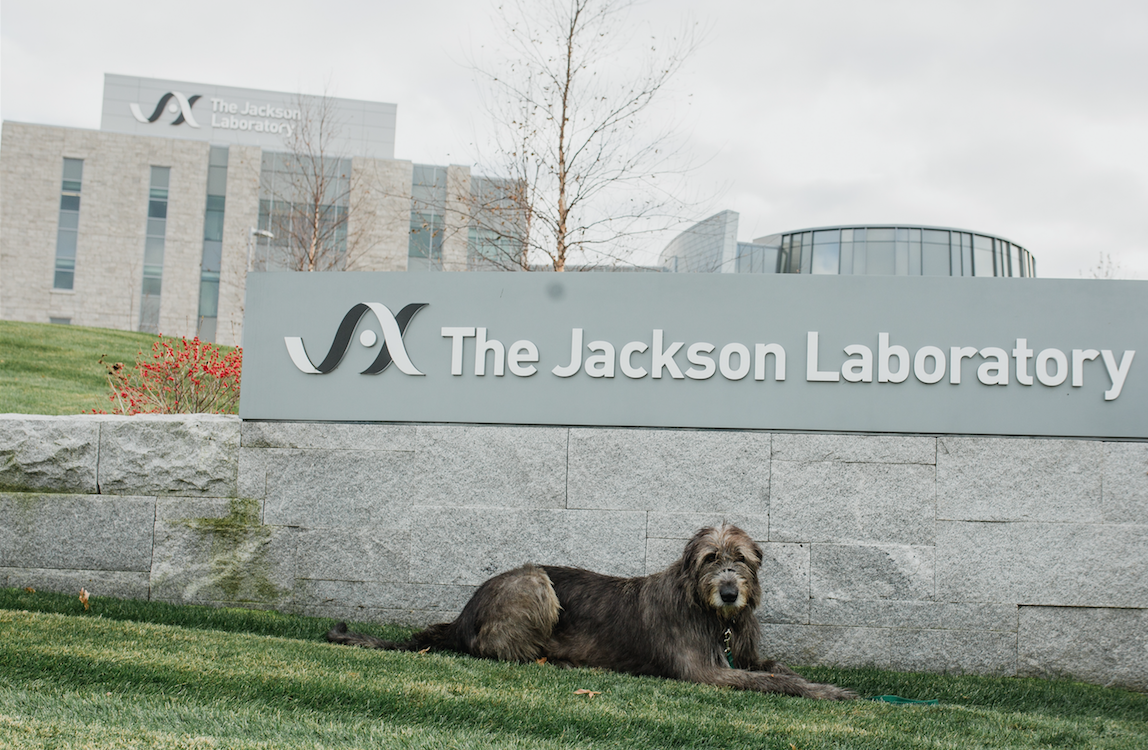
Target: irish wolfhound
[693, 621]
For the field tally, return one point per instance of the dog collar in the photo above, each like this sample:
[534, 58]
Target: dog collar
[728, 650]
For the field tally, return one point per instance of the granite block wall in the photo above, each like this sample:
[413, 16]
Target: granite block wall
[1009, 556]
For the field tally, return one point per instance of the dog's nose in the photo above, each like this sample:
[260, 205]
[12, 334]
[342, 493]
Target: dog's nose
[728, 594]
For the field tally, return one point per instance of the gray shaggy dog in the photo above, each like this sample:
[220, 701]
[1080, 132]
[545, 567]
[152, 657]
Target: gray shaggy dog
[693, 621]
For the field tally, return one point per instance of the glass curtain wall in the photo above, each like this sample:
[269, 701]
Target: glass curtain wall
[153, 249]
[428, 218]
[900, 251]
[68, 224]
[304, 205]
[212, 243]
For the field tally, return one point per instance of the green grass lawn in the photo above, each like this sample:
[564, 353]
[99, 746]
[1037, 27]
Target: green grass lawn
[55, 369]
[139, 674]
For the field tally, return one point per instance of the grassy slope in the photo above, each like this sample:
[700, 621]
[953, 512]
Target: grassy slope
[54, 369]
[152, 675]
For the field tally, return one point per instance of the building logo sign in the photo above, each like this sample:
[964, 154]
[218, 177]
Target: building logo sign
[1038, 357]
[174, 102]
[393, 328]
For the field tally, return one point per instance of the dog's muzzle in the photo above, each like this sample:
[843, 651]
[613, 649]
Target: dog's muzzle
[728, 592]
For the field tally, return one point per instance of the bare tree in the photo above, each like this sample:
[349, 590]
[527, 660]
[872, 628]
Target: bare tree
[1106, 268]
[583, 173]
[309, 192]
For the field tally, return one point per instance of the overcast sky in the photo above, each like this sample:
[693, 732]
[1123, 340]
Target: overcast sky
[1022, 118]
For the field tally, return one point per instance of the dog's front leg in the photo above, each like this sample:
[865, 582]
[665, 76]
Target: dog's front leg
[786, 683]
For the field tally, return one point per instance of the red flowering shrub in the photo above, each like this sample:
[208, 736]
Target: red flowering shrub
[184, 377]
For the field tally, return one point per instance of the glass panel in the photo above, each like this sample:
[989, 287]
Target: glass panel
[157, 209]
[806, 252]
[74, 169]
[846, 256]
[846, 235]
[935, 259]
[160, 176]
[65, 264]
[902, 235]
[881, 234]
[825, 236]
[71, 186]
[212, 257]
[216, 202]
[156, 227]
[209, 298]
[63, 279]
[213, 226]
[69, 219]
[207, 329]
[982, 255]
[69, 203]
[914, 235]
[826, 258]
[217, 180]
[858, 235]
[153, 251]
[218, 156]
[936, 237]
[149, 314]
[902, 266]
[966, 254]
[915, 254]
[66, 244]
[880, 257]
[151, 285]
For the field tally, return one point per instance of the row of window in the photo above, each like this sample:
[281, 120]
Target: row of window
[212, 244]
[887, 251]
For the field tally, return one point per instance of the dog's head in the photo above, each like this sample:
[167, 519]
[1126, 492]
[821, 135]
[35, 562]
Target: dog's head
[723, 562]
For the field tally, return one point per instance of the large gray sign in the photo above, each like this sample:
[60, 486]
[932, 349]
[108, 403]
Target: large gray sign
[224, 115]
[983, 356]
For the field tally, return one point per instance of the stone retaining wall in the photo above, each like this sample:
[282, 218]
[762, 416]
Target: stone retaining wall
[986, 555]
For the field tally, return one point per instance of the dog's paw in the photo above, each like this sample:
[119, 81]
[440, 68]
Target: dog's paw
[826, 692]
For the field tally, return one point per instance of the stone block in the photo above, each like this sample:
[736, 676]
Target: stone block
[412, 597]
[351, 554]
[118, 584]
[468, 545]
[79, 532]
[324, 488]
[328, 436]
[48, 454]
[682, 526]
[1104, 646]
[871, 572]
[210, 551]
[508, 467]
[1002, 479]
[1055, 564]
[784, 579]
[683, 471]
[901, 649]
[1124, 487]
[857, 503]
[913, 614]
[870, 449]
[191, 455]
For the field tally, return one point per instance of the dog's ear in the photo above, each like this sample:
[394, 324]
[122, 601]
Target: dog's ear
[697, 548]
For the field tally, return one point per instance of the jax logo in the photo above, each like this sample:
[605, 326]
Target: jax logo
[393, 327]
[182, 105]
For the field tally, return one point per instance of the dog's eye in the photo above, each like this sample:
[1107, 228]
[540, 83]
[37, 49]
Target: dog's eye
[710, 558]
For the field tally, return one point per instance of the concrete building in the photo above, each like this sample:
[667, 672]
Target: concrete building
[711, 246]
[152, 222]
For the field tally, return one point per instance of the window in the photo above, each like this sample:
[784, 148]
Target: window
[982, 255]
[881, 253]
[153, 249]
[826, 251]
[67, 232]
[212, 260]
[428, 221]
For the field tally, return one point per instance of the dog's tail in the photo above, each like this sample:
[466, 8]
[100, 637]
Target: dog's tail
[436, 637]
[340, 634]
